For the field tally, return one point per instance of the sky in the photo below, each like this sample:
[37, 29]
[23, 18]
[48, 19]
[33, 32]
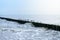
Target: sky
[32, 9]
[22, 7]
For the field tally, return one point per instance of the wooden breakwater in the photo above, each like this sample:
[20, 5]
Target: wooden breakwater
[14, 20]
[36, 24]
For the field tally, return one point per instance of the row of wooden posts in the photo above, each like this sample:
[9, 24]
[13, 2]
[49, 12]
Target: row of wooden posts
[35, 24]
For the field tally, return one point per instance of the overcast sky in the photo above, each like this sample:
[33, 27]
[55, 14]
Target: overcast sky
[41, 9]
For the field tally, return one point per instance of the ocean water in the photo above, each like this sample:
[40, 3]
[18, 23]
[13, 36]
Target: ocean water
[45, 11]
[14, 31]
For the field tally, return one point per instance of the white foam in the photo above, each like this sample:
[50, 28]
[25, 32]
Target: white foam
[15, 31]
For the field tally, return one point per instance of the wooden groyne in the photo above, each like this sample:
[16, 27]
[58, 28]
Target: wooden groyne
[36, 24]
[48, 26]
[14, 20]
